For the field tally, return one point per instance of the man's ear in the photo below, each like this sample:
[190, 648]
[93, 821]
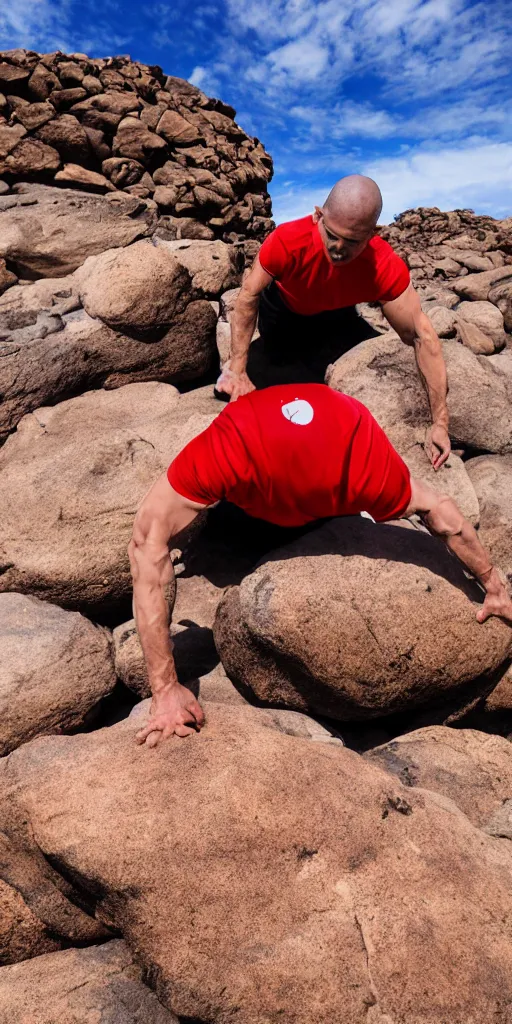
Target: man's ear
[318, 214]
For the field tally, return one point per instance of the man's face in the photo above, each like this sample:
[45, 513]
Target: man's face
[342, 241]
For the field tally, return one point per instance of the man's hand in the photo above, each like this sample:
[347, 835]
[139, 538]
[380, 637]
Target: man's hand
[437, 445]
[174, 710]
[234, 384]
[497, 599]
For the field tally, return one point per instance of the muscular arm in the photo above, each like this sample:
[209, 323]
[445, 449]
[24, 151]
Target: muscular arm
[445, 520]
[233, 379]
[414, 328]
[162, 515]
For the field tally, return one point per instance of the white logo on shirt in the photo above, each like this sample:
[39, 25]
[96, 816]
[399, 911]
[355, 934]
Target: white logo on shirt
[298, 411]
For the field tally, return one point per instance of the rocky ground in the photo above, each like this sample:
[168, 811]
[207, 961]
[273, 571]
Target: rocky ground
[333, 847]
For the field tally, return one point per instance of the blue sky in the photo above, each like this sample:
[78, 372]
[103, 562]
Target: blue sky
[415, 93]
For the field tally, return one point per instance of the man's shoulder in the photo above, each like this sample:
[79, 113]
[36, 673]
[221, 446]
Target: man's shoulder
[379, 251]
[295, 234]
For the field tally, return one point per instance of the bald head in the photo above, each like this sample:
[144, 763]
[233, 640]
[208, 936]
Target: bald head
[354, 199]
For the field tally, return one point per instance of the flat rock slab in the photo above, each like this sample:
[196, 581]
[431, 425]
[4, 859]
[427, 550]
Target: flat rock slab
[73, 476]
[79, 986]
[491, 476]
[56, 666]
[262, 873]
[49, 232]
[358, 620]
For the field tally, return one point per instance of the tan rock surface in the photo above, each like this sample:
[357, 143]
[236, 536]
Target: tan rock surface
[79, 986]
[491, 476]
[85, 465]
[22, 934]
[50, 232]
[140, 288]
[381, 373]
[213, 266]
[471, 768]
[56, 666]
[487, 317]
[295, 853]
[350, 620]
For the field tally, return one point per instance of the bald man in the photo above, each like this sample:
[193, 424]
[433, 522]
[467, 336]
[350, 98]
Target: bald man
[289, 455]
[302, 290]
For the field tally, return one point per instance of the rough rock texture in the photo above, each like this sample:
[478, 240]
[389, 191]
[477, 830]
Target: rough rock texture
[294, 853]
[56, 666]
[80, 986]
[471, 768]
[458, 234]
[350, 620]
[381, 373]
[491, 476]
[48, 232]
[90, 125]
[85, 465]
[22, 934]
[58, 356]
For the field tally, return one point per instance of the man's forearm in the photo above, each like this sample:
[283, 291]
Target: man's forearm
[152, 603]
[243, 323]
[432, 370]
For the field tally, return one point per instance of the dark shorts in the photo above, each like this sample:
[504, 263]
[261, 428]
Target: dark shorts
[298, 349]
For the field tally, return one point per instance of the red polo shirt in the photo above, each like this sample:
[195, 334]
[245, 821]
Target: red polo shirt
[294, 255]
[294, 453]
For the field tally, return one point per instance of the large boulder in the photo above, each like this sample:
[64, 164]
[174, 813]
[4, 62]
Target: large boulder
[269, 878]
[139, 289]
[350, 621]
[213, 266]
[56, 667]
[381, 372]
[73, 476]
[487, 317]
[48, 232]
[61, 355]
[471, 768]
[80, 986]
[491, 476]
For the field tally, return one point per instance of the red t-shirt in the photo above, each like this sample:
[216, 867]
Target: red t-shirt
[294, 453]
[295, 256]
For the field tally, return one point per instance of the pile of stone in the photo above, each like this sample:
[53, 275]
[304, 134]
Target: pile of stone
[115, 124]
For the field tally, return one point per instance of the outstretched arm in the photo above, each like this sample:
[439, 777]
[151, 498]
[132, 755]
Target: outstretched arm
[233, 379]
[444, 519]
[414, 327]
[162, 515]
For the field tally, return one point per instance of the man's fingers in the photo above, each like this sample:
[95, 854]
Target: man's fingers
[184, 730]
[196, 710]
[143, 733]
[154, 738]
[482, 615]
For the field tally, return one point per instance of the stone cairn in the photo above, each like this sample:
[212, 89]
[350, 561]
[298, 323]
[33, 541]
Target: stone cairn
[115, 124]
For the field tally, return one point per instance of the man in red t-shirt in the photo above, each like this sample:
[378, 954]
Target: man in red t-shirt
[303, 287]
[290, 455]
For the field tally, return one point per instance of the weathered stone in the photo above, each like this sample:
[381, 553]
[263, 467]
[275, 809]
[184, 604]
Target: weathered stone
[13, 79]
[42, 82]
[443, 321]
[74, 174]
[137, 142]
[30, 157]
[68, 136]
[487, 317]
[92, 84]
[33, 115]
[474, 338]
[46, 367]
[471, 768]
[177, 129]
[500, 294]
[140, 288]
[96, 139]
[7, 278]
[70, 74]
[166, 196]
[63, 227]
[288, 827]
[212, 265]
[110, 102]
[121, 171]
[22, 934]
[98, 455]
[477, 286]
[491, 476]
[381, 373]
[56, 666]
[350, 621]
[63, 99]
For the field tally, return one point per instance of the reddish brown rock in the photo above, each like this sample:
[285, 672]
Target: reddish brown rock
[487, 317]
[177, 129]
[81, 177]
[295, 861]
[350, 620]
[491, 476]
[30, 157]
[34, 115]
[69, 137]
[121, 171]
[7, 278]
[137, 142]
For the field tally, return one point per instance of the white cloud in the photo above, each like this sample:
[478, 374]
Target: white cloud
[303, 59]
